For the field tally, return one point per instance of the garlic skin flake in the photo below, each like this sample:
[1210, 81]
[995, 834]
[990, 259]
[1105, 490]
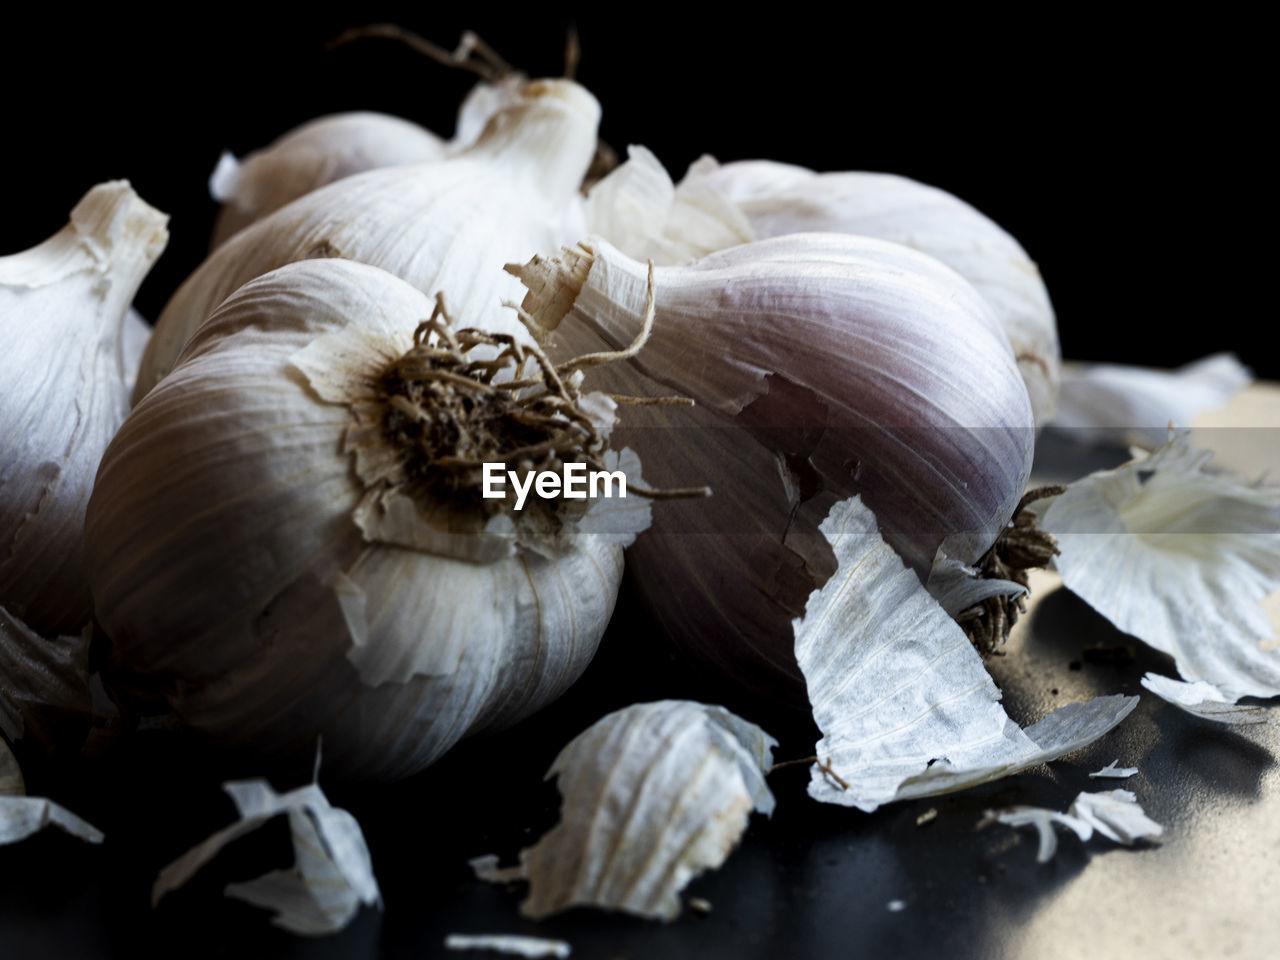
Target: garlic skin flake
[1115, 814]
[40, 680]
[442, 226]
[21, 816]
[232, 572]
[310, 156]
[1123, 405]
[653, 795]
[905, 706]
[1180, 558]
[822, 365]
[332, 873]
[511, 943]
[1112, 771]
[778, 199]
[1205, 700]
[62, 316]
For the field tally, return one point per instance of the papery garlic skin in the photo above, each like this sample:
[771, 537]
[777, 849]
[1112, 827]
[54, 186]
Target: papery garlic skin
[822, 365]
[440, 226]
[653, 795]
[310, 156]
[782, 198]
[230, 574]
[62, 316]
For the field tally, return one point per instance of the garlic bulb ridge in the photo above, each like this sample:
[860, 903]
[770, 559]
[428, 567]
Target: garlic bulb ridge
[63, 306]
[276, 545]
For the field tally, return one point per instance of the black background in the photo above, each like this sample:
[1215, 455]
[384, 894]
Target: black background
[1123, 153]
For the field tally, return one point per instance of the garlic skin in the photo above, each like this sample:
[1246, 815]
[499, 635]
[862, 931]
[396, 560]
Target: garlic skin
[230, 571]
[822, 365]
[310, 156]
[62, 315]
[441, 225]
[779, 198]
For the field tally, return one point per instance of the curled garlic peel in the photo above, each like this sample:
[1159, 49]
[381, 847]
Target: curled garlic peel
[63, 308]
[440, 226]
[822, 365]
[310, 156]
[232, 572]
[779, 198]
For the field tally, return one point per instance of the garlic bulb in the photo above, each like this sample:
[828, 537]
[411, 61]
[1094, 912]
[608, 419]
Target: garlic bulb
[62, 315]
[312, 155]
[822, 365]
[279, 543]
[440, 226]
[779, 198]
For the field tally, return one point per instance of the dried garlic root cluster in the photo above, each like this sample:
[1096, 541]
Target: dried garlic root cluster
[292, 537]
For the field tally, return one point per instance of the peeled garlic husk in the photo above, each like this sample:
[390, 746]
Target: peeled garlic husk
[440, 225]
[1181, 557]
[242, 569]
[822, 365]
[63, 311]
[653, 795]
[21, 816]
[778, 198]
[905, 704]
[310, 156]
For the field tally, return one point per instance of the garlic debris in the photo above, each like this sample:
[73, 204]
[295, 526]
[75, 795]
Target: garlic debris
[773, 199]
[905, 706]
[1116, 814]
[285, 538]
[441, 226]
[310, 156]
[653, 795]
[1181, 558]
[332, 874]
[21, 816]
[41, 680]
[62, 315]
[1123, 405]
[822, 365]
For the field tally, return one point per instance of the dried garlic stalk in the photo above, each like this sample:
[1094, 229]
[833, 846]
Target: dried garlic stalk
[654, 794]
[902, 698]
[331, 877]
[1115, 814]
[1180, 558]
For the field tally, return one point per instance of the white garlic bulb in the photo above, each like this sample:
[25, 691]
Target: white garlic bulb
[276, 545]
[822, 365]
[440, 226]
[312, 155]
[62, 314]
[781, 198]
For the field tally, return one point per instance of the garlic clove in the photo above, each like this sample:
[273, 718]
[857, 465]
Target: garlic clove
[439, 225]
[1181, 558]
[63, 305]
[310, 156]
[653, 795]
[776, 199]
[821, 365]
[904, 703]
[231, 573]
[133, 344]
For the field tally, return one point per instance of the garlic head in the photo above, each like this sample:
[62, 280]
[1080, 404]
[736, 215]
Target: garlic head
[63, 308]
